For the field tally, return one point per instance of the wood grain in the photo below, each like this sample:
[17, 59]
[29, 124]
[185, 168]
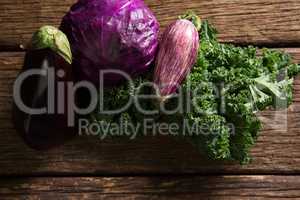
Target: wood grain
[277, 150]
[259, 22]
[184, 187]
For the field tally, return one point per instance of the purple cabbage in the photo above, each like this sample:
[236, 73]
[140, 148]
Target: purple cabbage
[111, 34]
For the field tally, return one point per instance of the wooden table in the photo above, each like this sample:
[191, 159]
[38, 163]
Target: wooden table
[154, 167]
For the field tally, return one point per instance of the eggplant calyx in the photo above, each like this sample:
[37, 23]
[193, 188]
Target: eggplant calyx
[191, 16]
[54, 39]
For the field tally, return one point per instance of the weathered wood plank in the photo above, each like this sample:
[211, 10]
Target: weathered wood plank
[187, 187]
[277, 150]
[263, 22]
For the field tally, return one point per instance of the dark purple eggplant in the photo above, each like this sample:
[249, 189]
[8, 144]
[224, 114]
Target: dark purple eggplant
[49, 50]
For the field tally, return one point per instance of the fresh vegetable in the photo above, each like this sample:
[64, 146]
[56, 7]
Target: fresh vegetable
[235, 84]
[117, 97]
[176, 56]
[226, 87]
[49, 49]
[115, 35]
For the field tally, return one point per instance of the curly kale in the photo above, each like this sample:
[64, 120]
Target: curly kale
[246, 84]
[226, 88]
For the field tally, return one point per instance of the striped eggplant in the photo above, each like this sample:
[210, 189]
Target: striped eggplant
[177, 55]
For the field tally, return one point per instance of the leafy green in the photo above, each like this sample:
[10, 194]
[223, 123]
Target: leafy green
[247, 83]
[227, 86]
